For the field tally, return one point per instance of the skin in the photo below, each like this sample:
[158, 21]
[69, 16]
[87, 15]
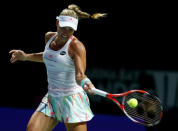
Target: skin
[77, 51]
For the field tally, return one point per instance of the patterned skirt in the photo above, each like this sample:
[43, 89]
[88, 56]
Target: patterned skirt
[68, 109]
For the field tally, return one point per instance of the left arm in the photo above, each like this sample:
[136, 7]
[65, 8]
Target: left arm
[79, 57]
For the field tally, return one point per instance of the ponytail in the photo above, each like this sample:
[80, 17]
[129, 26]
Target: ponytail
[82, 14]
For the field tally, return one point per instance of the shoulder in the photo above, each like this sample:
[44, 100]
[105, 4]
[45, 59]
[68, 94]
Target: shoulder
[77, 46]
[48, 35]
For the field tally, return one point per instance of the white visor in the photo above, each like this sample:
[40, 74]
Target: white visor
[67, 21]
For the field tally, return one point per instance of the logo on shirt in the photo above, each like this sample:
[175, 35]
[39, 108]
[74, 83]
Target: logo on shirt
[62, 53]
[70, 19]
[50, 56]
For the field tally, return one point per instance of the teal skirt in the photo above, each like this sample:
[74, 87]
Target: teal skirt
[68, 109]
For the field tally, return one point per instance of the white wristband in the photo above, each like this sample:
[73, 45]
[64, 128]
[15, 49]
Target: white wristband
[83, 82]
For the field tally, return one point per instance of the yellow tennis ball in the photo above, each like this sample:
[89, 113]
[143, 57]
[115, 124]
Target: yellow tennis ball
[132, 102]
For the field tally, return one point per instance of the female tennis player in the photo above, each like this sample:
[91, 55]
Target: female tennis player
[65, 60]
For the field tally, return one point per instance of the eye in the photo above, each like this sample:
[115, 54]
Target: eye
[62, 28]
[70, 29]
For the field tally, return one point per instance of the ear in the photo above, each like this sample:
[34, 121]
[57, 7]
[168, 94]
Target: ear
[57, 23]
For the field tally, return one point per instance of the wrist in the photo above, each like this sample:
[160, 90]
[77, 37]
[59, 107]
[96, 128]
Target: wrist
[84, 81]
[25, 57]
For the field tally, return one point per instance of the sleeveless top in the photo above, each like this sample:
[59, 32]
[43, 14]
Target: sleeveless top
[60, 70]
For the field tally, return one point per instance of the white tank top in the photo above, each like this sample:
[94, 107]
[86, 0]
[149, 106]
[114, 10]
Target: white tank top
[60, 70]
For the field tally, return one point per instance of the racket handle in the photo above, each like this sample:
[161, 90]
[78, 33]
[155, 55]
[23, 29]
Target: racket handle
[99, 92]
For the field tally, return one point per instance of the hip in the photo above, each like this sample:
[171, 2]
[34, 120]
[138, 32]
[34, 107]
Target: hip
[61, 91]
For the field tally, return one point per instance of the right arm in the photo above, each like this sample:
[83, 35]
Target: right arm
[35, 57]
[22, 56]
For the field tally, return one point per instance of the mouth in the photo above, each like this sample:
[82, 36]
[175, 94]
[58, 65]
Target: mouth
[64, 36]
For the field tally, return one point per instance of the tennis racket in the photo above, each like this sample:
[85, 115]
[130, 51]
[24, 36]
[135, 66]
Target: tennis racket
[148, 112]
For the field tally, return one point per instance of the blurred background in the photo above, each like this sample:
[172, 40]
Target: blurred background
[134, 47]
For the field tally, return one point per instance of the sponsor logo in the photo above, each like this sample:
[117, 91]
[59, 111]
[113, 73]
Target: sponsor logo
[62, 53]
[50, 56]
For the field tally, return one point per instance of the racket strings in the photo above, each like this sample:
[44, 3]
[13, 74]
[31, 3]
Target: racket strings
[148, 110]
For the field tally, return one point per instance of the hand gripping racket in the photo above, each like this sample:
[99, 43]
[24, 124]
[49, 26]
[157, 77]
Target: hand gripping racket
[148, 112]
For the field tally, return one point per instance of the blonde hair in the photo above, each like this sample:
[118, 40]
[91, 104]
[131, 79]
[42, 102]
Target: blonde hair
[74, 11]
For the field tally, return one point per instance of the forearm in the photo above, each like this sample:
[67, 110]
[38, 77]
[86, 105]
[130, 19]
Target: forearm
[35, 57]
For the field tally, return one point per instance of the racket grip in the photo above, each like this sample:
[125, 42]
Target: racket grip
[99, 92]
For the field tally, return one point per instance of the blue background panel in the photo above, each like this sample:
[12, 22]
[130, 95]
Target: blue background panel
[16, 119]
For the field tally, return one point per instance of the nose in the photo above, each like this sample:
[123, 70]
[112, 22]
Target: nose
[65, 31]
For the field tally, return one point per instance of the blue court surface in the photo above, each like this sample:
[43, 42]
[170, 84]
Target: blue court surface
[14, 119]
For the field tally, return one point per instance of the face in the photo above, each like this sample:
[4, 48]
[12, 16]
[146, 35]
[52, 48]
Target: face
[64, 33]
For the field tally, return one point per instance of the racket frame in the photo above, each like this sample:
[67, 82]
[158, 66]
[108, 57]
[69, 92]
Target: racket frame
[112, 96]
